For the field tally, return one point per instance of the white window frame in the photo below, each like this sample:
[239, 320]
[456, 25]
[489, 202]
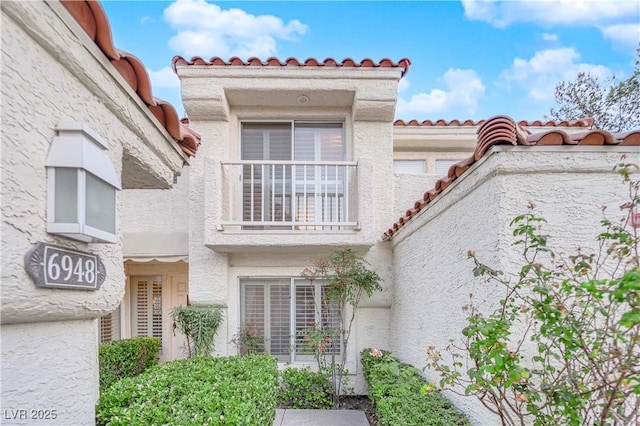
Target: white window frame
[293, 356]
[318, 208]
[406, 166]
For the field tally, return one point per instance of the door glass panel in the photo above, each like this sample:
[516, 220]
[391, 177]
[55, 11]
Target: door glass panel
[319, 189]
[266, 188]
[147, 304]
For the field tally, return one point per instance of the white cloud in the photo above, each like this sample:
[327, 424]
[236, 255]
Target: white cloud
[205, 29]
[462, 90]
[549, 37]
[164, 77]
[539, 75]
[603, 14]
[502, 13]
[624, 34]
[146, 20]
[403, 85]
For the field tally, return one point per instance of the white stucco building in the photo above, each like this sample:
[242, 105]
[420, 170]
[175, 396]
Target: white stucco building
[302, 157]
[297, 158]
[79, 122]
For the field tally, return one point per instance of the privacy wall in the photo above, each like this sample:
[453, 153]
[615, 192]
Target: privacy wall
[433, 276]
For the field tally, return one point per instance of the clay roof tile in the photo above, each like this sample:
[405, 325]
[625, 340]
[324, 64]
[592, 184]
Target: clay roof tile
[272, 61]
[584, 122]
[553, 137]
[629, 138]
[312, 62]
[593, 137]
[502, 129]
[91, 17]
[93, 20]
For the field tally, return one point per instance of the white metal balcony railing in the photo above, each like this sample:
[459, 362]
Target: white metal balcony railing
[291, 195]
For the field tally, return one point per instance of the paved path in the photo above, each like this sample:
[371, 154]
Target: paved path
[320, 418]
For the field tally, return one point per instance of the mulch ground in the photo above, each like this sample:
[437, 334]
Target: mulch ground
[362, 403]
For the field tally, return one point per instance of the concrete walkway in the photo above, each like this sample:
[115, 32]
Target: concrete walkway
[320, 418]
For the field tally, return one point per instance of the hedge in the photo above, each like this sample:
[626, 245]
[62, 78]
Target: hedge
[303, 388]
[195, 391]
[126, 358]
[396, 390]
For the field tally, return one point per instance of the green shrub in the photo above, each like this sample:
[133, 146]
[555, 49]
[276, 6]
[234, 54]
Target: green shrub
[303, 388]
[402, 396]
[199, 324]
[126, 358]
[195, 391]
[249, 340]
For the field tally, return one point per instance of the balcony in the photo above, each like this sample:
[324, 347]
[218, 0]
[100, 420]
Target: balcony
[284, 205]
[292, 195]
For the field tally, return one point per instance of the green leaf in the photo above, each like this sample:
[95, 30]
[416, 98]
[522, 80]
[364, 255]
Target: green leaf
[631, 318]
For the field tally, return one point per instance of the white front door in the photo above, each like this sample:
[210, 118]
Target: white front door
[178, 296]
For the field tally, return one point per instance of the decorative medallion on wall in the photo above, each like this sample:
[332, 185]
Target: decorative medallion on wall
[303, 99]
[58, 267]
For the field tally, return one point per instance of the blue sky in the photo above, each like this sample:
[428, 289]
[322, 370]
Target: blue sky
[469, 59]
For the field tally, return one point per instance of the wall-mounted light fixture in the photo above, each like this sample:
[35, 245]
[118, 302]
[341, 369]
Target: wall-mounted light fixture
[82, 185]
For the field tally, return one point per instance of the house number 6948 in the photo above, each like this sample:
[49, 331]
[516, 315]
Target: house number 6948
[60, 267]
[57, 265]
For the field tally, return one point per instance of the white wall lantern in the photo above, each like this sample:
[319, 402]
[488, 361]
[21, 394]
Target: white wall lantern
[82, 185]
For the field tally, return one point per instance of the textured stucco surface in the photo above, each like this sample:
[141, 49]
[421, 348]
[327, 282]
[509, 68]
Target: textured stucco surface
[147, 210]
[433, 277]
[52, 72]
[217, 100]
[38, 47]
[50, 366]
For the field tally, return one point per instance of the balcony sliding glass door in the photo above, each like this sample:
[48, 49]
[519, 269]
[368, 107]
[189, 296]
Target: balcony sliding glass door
[291, 176]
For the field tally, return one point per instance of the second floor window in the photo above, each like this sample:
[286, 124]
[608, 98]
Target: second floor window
[292, 174]
[301, 141]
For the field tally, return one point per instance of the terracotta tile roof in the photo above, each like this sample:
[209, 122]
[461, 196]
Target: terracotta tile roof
[583, 122]
[500, 130]
[311, 62]
[92, 18]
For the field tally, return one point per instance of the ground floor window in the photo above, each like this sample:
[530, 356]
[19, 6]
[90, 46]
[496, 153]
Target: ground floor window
[110, 327]
[283, 310]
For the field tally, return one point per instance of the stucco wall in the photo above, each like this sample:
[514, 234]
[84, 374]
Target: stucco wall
[217, 99]
[148, 210]
[433, 277]
[45, 373]
[31, 113]
[52, 72]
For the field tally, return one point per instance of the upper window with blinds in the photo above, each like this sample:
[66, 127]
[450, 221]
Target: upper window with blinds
[410, 167]
[294, 175]
[298, 141]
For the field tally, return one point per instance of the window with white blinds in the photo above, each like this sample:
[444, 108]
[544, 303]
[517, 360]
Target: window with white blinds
[410, 167]
[146, 316]
[110, 327]
[269, 193]
[282, 309]
[442, 166]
